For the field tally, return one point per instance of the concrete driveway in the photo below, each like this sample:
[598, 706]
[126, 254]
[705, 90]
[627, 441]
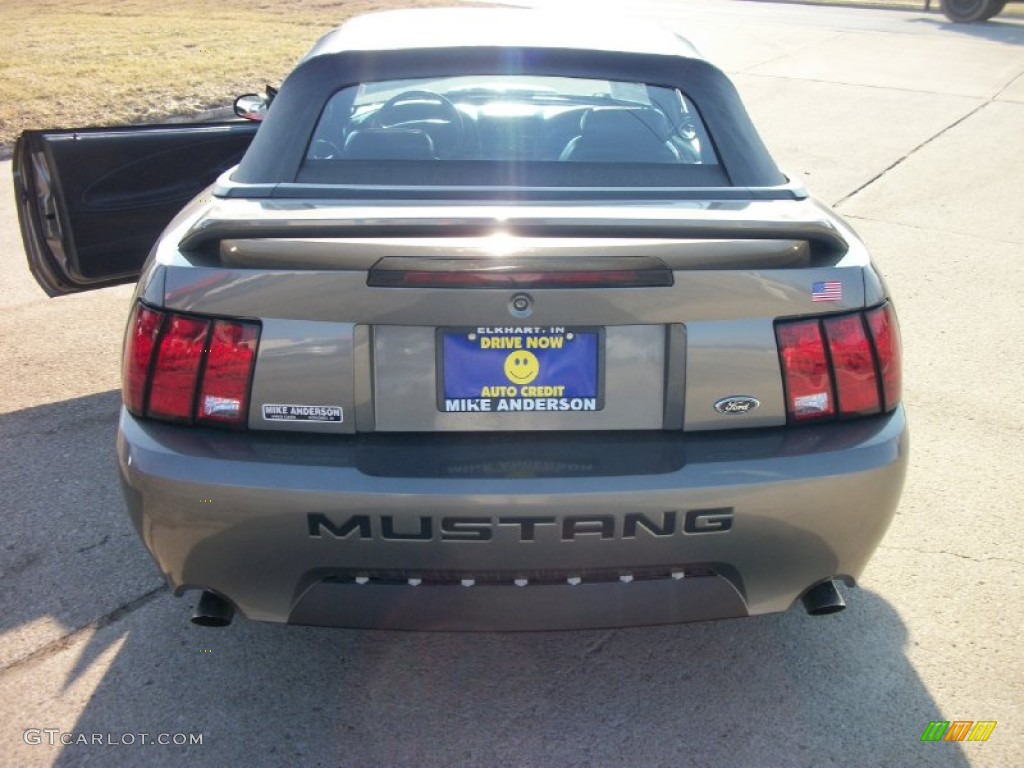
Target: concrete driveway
[914, 128]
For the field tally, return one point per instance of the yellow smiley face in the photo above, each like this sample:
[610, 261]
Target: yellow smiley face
[521, 367]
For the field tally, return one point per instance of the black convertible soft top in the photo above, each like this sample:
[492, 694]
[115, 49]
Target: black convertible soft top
[278, 151]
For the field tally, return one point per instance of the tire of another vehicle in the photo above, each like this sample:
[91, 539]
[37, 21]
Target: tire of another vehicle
[996, 9]
[971, 10]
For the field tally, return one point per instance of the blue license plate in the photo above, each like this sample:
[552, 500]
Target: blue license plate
[527, 369]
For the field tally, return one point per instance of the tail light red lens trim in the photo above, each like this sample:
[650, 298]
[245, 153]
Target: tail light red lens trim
[143, 329]
[885, 333]
[224, 396]
[840, 366]
[806, 371]
[853, 362]
[173, 385]
[188, 368]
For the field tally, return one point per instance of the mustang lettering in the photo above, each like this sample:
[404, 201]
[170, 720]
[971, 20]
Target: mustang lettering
[475, 528]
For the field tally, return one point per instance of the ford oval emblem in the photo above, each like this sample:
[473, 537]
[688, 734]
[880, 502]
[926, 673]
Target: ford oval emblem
[737, 404]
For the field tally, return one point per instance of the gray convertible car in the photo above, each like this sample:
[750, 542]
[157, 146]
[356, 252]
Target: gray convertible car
[492, 322]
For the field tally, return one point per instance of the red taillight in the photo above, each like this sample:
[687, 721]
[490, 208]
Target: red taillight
[854, 366]
[142, 332]
[225, 390]
[186, 368]
[833, 366]
[808, 383]
[173, 389]
[886, 335]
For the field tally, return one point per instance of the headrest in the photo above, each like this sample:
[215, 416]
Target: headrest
[619, 122]
[387, 144]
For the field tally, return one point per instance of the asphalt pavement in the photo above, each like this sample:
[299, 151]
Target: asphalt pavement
[914, 129]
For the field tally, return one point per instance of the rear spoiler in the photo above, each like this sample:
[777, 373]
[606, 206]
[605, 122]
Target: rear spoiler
[824, 239]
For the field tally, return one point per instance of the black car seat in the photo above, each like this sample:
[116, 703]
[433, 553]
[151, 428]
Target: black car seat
[614, 134]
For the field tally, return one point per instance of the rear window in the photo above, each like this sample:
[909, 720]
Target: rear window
[511, 130]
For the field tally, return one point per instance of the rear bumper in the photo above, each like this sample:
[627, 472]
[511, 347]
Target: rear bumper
[498, 531]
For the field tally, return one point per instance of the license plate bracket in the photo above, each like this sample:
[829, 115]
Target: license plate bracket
[520, 369]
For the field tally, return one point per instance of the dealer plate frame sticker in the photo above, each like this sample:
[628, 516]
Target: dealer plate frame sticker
[520, 369]
[320, 414]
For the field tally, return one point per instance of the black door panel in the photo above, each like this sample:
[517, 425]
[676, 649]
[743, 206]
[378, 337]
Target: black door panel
[92, 202]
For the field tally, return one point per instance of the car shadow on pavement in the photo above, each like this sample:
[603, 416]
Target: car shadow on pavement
[70, 555]
[784, 690]
[995, 30]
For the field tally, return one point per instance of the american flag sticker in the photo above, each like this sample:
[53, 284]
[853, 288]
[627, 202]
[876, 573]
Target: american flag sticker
[829, 290]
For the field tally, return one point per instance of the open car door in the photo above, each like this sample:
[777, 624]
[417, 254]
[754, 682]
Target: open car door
[92, 202]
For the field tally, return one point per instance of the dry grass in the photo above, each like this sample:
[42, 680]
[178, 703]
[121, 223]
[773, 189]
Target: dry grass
[72, 63]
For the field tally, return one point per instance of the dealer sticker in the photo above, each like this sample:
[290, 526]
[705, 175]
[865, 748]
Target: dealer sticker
[519, 369]
[320, 413]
